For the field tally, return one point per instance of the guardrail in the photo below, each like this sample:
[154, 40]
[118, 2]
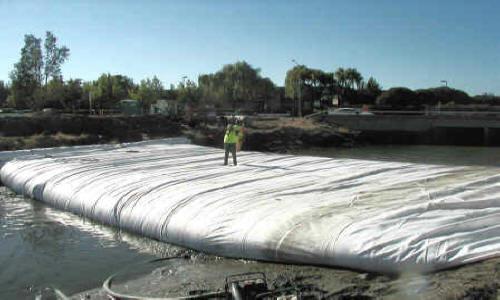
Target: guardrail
[424, 112]
[438, 113]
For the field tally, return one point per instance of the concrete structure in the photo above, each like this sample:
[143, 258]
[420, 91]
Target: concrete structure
[486, 124]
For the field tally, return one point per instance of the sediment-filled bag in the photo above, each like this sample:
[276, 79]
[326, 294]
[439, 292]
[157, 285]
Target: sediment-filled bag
[371, 215]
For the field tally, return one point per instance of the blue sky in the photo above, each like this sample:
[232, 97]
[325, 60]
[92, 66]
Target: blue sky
[400, 43]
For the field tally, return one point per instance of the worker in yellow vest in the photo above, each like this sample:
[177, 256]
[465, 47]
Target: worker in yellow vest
[241, 132]
[230, 140]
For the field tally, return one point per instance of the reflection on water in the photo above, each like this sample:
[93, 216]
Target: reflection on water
[41, 246]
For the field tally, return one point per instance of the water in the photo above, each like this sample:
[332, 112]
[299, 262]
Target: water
[41, 246]
[440, 155]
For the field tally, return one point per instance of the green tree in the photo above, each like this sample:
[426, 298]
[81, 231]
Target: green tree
[4, 93]
[309, 85]
[442, 95]
[373, 86]
[487, 98]
[34, 69]
[266, 93]
[62, 95]
[188, 94]
[341, 76]
[294, 81]
[350, 83]
[73, 94]
[343, 84]
[55, 94]
[353, 78]
[235, 86]
[90, 93]
[26, 77]
[104, 97]
[121, 86]
[108, 90]
[170, 94]
[189, 98]
[294, 84]
[328, 88]
[398, 98]
[369, 93]
[148, 91]
[54, 57]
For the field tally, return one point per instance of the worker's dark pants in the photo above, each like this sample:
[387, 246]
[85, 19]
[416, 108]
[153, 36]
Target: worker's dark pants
[230, 147]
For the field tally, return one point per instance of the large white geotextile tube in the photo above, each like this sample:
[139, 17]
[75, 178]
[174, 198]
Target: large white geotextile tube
[370, 215]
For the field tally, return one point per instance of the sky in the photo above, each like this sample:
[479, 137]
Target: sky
[414, 44]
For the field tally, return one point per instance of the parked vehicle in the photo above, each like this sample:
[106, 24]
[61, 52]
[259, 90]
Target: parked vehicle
[348, 111]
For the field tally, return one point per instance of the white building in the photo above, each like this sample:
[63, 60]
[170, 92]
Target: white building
[164, 107]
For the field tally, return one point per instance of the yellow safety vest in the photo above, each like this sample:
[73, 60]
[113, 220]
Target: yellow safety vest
[231, 136]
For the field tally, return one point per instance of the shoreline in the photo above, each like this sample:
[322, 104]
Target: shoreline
[478, 280]
[269, 136]
[280, 135]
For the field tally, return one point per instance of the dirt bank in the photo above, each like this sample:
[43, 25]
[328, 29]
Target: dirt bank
[281, 136]
[55, 130]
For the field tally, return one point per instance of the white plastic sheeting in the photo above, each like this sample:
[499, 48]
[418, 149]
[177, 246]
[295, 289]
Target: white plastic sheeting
[370, 215]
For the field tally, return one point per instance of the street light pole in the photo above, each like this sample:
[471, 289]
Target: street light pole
[90, 103]
[300, 93]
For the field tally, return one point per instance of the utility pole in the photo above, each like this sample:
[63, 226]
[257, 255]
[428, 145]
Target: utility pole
[300, 93]
[90, 103]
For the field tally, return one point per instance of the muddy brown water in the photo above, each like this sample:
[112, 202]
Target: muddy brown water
[42, 247]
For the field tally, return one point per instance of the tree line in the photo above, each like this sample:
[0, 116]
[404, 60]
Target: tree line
[404, 98]
[36, 83]
[347, 85]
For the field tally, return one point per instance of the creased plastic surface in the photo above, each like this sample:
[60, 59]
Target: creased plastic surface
[370, 215]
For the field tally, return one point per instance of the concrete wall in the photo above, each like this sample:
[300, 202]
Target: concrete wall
[455, 130]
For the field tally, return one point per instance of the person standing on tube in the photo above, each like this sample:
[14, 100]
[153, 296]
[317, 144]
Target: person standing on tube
[230, 141]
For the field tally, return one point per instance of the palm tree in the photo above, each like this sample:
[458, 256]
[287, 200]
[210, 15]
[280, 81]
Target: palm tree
[340, 74]
[353, 78]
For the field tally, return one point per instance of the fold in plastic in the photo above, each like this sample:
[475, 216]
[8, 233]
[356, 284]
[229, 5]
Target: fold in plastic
[378, 216]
